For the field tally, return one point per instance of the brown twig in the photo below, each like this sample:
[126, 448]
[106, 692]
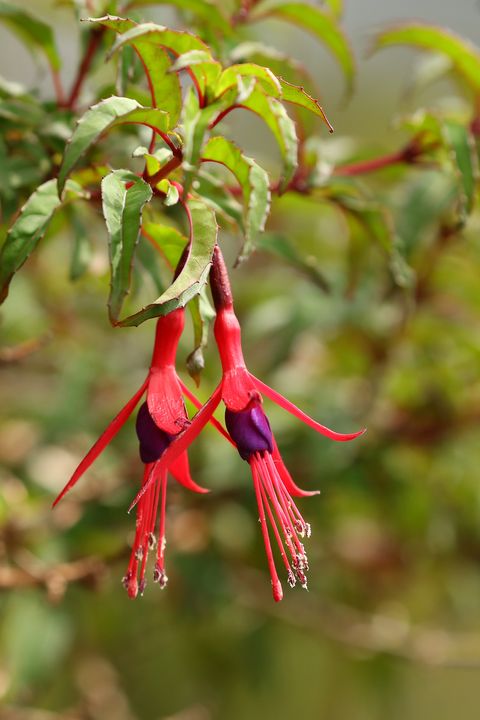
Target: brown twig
[19, 352]
[54, 579]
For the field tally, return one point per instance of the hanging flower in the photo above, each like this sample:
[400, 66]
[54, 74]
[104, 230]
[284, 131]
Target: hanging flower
[160, 420]
[250, 431]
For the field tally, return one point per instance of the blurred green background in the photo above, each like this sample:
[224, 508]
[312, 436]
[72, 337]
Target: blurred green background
[390, 627]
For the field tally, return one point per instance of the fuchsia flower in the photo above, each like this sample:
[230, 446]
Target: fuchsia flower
[160, 420]
[250, 431]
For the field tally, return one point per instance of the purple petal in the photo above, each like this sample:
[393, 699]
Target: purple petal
[153, 441]
[250, 430]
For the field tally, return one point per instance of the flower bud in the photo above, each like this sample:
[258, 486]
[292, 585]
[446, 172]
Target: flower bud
[250, 430]
[153, 441]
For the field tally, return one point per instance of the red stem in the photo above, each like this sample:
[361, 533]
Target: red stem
[165, 170]
[92, 47]
[373, 164]
[57, 84]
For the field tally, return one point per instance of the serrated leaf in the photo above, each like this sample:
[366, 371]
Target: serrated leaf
[192, 57]
[124, 195]
[263, 75]
[175, 41]
[281, 125]
[203, 9]
[297, 95]
[102, 117]
[195, 272]
[253, 181]
[285, 68]
[207, 70]
[464, 56]
[320, 23]
[35, 33]
[29, 228]
[164, 87]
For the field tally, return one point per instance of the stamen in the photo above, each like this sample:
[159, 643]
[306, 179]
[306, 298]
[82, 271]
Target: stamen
[294, 512]
[275, 530]
[160, 564]
[276, 584]
[299, 557]
[274, 481]
[160, 577]
[291, 579]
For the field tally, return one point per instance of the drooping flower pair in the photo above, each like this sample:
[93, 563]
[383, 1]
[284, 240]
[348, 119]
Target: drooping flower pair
[165, 433]
[160, 420]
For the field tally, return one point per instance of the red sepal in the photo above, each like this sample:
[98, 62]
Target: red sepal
[104, 439]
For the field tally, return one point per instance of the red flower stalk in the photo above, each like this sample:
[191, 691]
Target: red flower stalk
[160, 419]
[250, 431]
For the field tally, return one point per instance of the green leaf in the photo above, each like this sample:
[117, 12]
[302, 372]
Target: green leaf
[29, 228]
[164, 86]
[297, 95]
[254, 183]
[206, 10]
[206, 70]
[195, 121]
[171, 192]
[157, 36]
[202, 314]
[281, 246]
[281, 125]
[335, 7]
[214, 193]
[264, 76]
[462, 146]
[35, 33]
[171, 244]
[425, 205]
[195, 272]
[82, 247]
[286, 69]
[320, 23]
[464, 56]
[102, 117]
[124, 195]
[192, 57]
[168, 240]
